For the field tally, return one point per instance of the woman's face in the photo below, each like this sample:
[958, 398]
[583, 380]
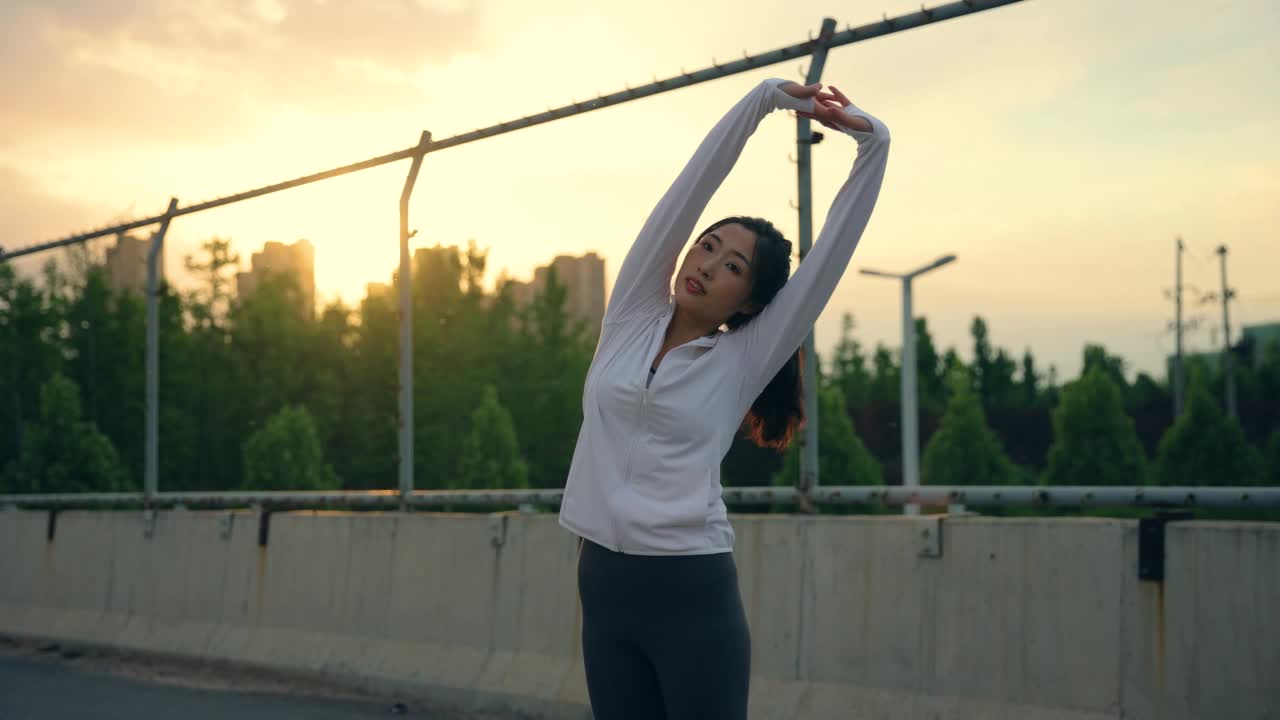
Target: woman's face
[715, 279]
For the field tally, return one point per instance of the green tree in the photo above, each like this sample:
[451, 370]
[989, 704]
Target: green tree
[886, 379]
[1204, 446]
[931, 380]
[964, 451]
[491, 453]
[105, 348]
[269, 338]
[1258, 388]
[61, 452]
[215, 268]
[371, 416]
[31, 351]
[1094, 440]
[1272, 477]
[849, 366]
[1029, 385]
[545, 365]
[842, 458]
[456, 353]
[992, 370]
[1096, 356]
[285, 454]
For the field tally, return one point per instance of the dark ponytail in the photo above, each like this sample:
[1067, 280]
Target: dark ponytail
[778, 412]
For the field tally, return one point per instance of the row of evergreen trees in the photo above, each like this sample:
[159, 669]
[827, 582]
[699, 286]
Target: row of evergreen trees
[255, 396]
[1095, 444]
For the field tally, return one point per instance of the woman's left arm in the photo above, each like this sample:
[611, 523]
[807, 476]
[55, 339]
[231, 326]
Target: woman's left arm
[773, 336]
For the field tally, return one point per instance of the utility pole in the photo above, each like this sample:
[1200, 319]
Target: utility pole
[805, 139]
[151, 452]
[405, 442]
[1228, 375]
[1177, 329]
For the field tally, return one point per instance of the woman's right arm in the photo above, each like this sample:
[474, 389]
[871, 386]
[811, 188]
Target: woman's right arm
[643, 285]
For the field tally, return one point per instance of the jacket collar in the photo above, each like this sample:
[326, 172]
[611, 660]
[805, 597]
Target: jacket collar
[704, 341]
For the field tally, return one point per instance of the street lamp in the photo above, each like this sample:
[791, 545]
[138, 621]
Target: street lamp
[910, 407]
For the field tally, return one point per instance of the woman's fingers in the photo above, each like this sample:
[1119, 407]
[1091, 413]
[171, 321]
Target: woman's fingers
[839, 95]
[812, 116]
[832, 97]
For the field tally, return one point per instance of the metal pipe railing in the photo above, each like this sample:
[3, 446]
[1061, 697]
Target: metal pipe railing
[990, 495]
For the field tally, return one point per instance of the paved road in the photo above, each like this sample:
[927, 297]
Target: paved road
[45, 685]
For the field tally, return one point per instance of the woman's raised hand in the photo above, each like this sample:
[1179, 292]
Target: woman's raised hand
[828, 109]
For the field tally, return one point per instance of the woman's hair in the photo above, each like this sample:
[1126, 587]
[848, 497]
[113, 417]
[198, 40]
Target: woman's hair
[778, 412]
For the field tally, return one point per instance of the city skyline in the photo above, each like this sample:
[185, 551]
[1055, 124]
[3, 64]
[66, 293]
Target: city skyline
[1059, 156]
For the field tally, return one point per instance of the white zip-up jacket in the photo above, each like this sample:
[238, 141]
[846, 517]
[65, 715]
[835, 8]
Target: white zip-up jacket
[645, 476]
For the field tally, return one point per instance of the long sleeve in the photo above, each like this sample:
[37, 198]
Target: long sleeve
[643, 284]
[772, 337]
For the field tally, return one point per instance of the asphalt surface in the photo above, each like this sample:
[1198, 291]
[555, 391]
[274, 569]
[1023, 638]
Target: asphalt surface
[51, 683]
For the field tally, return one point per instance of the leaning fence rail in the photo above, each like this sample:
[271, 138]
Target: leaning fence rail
[885, 26]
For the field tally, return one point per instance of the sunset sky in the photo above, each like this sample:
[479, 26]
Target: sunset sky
[1057, 147]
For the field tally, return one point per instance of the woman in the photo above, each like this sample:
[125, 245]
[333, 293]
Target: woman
[664, 634]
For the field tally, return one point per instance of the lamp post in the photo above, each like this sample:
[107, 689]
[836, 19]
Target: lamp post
[910, 406]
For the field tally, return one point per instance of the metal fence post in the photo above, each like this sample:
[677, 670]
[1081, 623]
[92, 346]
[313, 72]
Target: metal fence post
[804, 186]
[406, 328]
[152, 469]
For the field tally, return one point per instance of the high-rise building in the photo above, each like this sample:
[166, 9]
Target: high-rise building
[127, 263]
[297, 260]
[583, 280]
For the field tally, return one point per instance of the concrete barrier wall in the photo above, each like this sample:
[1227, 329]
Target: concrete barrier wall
[851, 617]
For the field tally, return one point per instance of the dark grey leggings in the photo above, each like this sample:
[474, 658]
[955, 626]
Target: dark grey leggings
[663, 637]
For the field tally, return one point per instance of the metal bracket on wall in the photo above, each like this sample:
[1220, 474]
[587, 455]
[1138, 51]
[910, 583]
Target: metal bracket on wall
[1151, 543]
[497, 529]
[225, 524]
[929, 536]
[264, 525]
[148, 523]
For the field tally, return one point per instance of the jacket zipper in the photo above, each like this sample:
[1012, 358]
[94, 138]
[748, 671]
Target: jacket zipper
[626, 470]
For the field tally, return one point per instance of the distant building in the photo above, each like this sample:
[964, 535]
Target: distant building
[127, 264]
[1257, 338]
[298, 260]
[377, 290]
[583, 280]
[1252, 348]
